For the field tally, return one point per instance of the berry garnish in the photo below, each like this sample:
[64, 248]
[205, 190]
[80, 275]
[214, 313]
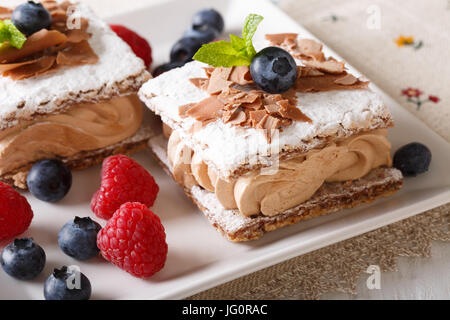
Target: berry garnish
[23, 259]
[412, 159]
[134, 240]
[184, 49]
[208, 18]
[31, 17]
[123, 180]
[67, 284]
[15, 213]
[274, 70]
[139, 45]
[203, 36]
[167, 67]
[49, 180]
[78, 238]
[239, 51]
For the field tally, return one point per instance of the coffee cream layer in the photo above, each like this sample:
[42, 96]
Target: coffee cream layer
[293, 182]
[84, 127]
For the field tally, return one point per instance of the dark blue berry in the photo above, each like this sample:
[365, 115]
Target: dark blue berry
[412, 159]
[31, 17]
[78, 238]
[203, 36]
[274, 70]
[167, 67]
[23, 259]
[208, 18]
[184, 49]
[49, 180]
[67, 284]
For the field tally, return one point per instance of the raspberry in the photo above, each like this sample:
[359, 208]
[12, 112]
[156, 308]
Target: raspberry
[134, 240]
[15, 213]
[139, 45]
[123, 180]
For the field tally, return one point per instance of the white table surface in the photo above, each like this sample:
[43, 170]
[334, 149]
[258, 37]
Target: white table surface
[416, 278]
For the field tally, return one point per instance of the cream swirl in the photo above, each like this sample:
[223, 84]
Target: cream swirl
[293, 183]
[84, 127]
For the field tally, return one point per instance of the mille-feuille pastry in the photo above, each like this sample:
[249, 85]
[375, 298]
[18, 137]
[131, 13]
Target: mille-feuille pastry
[68, 93]
[255, 161]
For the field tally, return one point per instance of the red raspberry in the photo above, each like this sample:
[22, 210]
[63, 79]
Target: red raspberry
[123, 180]
[15, 213]
[139, 45]
[134, 240]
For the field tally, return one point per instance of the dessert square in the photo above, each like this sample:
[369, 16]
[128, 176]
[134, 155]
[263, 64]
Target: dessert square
[68, 93]
[254, 161]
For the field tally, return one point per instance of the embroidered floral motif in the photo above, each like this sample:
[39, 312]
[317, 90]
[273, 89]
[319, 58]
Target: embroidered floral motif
[414, 96]
[408, 41]
[412, 93]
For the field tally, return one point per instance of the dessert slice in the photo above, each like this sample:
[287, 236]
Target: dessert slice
[67, 92]
[255, 160]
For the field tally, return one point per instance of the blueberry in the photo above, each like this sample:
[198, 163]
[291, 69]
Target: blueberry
[167, 67]
[31, 17]
[184, 49]
[208, 18]
[274, 70]
[78, 238]
[412, 159]
[23, 259]
[203, 36]
[49, 180]
[67, 284]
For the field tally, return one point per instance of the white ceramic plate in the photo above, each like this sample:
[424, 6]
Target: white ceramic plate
[199, 257]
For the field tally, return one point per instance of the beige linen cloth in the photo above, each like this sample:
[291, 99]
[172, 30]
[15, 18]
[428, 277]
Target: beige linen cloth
[403, 47]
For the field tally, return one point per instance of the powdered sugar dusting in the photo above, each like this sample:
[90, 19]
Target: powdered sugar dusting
[229, 220]
[158, 145]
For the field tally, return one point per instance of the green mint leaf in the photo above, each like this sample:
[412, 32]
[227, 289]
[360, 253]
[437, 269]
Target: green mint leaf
[3, 32]
[237, 42]
[9, 32]
[251, 24]
[16, 38]
[239, 45]
[238, 52]
[221, 54]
